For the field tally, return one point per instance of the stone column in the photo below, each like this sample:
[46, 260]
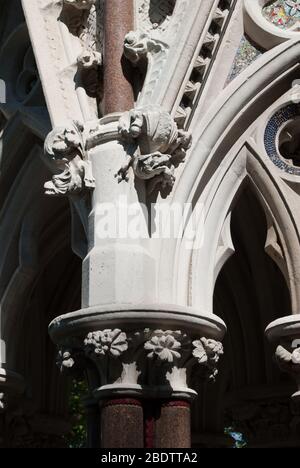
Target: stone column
[173, 427]
[122, 423]
[92, 422]
[144, 373]
[140, 349]
[118, 91]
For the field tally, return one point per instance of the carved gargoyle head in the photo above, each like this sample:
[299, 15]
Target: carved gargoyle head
[64, 143]
[65, 151]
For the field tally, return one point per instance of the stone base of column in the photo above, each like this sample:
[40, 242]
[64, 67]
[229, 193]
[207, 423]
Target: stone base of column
[122, 424]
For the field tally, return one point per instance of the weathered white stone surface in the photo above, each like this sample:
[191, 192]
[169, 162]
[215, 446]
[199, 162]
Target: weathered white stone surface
[191, 138]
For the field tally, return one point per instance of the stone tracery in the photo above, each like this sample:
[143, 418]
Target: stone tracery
[118, 354]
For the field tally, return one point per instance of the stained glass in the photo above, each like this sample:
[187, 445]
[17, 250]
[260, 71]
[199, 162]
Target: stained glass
[283, 13]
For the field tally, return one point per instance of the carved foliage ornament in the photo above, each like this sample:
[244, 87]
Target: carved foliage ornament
[65, 360]
[167, 349]
[106, 342]
[65, 149]
[161, 146]
[164, 345]
[208, 352]
[288, 361]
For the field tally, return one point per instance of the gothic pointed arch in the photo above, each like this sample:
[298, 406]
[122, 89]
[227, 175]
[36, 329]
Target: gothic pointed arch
[229, 148]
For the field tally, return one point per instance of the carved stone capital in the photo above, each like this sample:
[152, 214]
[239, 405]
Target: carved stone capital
[288, 360]
[66, 154]
[285, 332]
[146, 363]
[145, 351]
[160, 145]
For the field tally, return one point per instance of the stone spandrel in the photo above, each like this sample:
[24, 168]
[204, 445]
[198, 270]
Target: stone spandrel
[246, 54]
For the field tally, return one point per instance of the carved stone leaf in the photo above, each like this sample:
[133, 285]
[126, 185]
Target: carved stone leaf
[283, 355]
[106, 342]
[119, 345]
[199, 352]
[296, 356]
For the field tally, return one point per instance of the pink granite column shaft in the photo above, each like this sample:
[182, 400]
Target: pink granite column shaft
[118, 92]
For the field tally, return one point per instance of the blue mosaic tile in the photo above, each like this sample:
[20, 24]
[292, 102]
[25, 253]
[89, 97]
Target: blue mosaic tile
[272, 129]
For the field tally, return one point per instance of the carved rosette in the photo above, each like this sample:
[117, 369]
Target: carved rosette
[144, 363]
[164, 346]
[107, 342]
[160, 145]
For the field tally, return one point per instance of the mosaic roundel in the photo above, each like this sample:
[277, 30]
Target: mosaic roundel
[281, 142]
[283, 13]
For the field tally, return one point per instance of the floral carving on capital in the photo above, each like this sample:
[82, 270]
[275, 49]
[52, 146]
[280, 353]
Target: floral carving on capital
[106, 342]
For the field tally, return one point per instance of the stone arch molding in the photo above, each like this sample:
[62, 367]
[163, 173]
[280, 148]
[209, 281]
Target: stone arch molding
[262, 31]
[227, 151]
